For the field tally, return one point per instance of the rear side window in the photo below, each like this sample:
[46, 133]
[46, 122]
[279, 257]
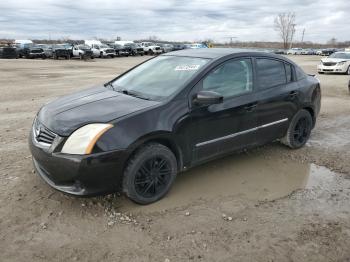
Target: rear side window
[299, 73]
[270, 73]
[289, 73]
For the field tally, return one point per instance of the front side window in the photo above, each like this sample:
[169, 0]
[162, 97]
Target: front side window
[160, 77]
[270, 73]
[232, 78]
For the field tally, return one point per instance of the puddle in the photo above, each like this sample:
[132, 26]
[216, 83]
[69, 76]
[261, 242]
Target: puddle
[245, 176]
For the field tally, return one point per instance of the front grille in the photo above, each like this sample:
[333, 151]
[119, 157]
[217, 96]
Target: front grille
[157, 48]
[139, 49]
[42, 134]
[109, 51]
[329, 63]
[61, 52]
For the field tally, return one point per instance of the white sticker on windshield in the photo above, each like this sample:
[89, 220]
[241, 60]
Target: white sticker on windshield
[187, 67]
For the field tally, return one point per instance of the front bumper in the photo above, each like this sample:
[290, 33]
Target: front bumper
[125, 53]
[104, 54]
[159, 51]
[79, 175]
[332, 69]
[36, 55]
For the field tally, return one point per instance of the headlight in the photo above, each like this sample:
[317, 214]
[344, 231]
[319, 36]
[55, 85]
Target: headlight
[83, 139]
[341, 63]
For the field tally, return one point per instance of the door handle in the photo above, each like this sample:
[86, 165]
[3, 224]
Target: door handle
[250, 107]
[293, 94]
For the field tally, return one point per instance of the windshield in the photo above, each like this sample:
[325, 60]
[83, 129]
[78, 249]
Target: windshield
[104, 46]
[340, 55]
[160, 77]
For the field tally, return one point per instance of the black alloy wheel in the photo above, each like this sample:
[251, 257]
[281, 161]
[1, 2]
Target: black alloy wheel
[302, 131]
[152, 177]
[149, 173]
[299, 130]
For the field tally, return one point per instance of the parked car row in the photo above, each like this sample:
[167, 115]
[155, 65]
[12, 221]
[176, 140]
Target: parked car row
[92, 49]
[311, 51]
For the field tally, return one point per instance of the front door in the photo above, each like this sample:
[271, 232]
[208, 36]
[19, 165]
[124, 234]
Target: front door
[225, 127]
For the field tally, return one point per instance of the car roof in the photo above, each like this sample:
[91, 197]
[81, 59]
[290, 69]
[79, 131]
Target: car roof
[216, 53]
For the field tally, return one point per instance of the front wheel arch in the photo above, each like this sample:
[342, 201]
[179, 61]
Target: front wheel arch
[165, 141]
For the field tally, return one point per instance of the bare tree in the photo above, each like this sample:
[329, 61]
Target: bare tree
[332, 41]
[153, 38]
[285, 26]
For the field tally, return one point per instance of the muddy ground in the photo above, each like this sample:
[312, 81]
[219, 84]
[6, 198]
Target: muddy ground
[267, 204]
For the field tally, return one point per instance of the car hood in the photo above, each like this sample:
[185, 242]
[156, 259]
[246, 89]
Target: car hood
[94, 105]
[335, 60]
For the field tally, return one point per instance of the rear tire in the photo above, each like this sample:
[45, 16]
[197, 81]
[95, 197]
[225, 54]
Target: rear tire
[149, 174]
[299, 130]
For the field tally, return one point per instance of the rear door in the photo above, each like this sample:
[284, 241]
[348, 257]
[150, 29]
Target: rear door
[278, 97]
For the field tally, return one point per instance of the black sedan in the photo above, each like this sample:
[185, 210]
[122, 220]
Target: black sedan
[169, 114]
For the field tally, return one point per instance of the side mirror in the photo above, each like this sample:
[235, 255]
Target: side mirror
[208, 98]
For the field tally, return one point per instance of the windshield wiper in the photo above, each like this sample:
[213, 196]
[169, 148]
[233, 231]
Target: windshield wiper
[132, 93]
[109, 84]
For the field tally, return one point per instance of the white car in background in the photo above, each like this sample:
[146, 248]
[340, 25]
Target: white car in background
[82, 51]
[294, 51]
[151, 48]
[99, 49]
[338, 62]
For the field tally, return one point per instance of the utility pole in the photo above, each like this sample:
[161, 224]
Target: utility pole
[302, 38]
[231, 39]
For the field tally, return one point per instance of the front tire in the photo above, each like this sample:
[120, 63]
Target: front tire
[149, 173]
[299, 130]
[348, 71]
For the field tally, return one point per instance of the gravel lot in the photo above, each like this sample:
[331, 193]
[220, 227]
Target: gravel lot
[267, 204]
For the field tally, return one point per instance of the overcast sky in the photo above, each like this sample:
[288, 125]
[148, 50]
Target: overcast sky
[248, 20]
